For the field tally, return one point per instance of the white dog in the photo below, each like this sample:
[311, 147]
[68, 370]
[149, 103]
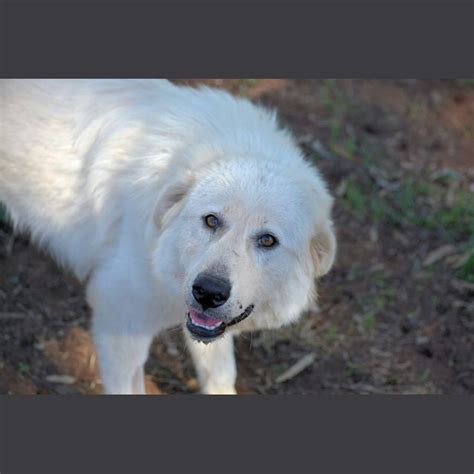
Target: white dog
[174, 205]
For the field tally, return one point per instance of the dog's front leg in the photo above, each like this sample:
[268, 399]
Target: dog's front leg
[122, 336]
[121, 358]
[215, 364]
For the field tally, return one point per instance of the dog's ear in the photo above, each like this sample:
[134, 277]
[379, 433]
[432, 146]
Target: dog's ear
[323, 241]
[323, 248]
[171, 199]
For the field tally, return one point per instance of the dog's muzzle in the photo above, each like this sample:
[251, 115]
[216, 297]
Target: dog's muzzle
[206, 328]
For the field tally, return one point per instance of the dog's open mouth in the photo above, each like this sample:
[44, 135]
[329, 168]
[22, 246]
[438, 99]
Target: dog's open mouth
[206, 328]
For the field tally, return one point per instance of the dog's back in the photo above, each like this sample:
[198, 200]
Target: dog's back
[51, 132]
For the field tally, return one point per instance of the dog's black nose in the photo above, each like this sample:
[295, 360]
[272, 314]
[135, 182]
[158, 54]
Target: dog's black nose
[210, 291]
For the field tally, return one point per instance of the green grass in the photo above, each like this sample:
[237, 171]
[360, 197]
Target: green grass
[23, 368]
[367, 153]
[350, 147]
[4, 216]
[368, 321]
[336, 127]
[466, 271]
[355, 198]
[455, 220]
[417, 202]
[331, 334]
[365, 203]
[332, 99]
[278, 369]
[3, 213]
[356, 272]
[416, 111]
[425, 377]
[375, 304]
[245, 84]
[465, 82]
[354, 371]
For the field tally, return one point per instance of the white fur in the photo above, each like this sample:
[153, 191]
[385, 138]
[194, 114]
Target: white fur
[113, 177]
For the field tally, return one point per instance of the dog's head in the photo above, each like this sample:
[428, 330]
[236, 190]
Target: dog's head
[245, 240]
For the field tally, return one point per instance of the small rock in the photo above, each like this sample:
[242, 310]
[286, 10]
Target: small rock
[373, 234]
[421, 340]
[171, 349]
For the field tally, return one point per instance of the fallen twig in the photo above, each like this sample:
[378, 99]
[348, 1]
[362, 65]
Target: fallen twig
[65, 379]
[462, 285]
[438, 254]
[296, 368]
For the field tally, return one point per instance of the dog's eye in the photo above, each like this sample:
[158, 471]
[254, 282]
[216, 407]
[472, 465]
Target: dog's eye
[267, 240]
[211, 221]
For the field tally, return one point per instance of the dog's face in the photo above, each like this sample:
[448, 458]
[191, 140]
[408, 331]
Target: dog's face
[246, 240]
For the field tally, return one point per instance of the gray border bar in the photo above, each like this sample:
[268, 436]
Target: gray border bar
[248, 434]
[3, 434]
[383, 39]
[245, 434]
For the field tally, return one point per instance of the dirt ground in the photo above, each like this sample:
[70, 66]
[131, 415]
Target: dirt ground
[395, 314]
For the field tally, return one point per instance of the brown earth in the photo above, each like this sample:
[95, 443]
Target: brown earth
[395, 314]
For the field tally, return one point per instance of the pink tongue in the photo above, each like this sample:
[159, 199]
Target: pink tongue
[203, 320]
